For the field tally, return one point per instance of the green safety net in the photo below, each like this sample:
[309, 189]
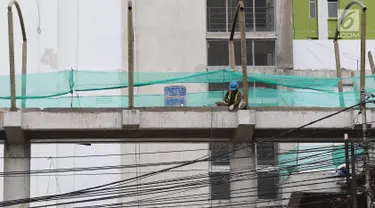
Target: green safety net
[313, 158]
[56, 89]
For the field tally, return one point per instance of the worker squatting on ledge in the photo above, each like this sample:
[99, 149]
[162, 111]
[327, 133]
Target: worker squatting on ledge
[233, 98]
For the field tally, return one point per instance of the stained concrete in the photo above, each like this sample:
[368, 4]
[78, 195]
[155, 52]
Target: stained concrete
[180, 124]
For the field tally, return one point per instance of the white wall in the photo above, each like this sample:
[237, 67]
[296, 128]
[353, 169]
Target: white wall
[319, 54]
[92, 35]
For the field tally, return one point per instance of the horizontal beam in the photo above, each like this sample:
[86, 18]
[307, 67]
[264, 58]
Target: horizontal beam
[177, 124]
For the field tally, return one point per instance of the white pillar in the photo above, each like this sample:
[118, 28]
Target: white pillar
[243, 169]
[17, 158]
[322, 13]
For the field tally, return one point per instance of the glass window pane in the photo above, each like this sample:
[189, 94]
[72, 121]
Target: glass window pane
[220, 152]
[312, 9]
[264, 53]
[266, 153]
[264, 15]
[332, 9]
[268, 185]
[216, 16]
[220, 185]
[249, 51]
[249, 21]
[217, 52]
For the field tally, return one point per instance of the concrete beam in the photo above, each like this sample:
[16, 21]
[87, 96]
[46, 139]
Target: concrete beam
[177, 124]
[17, 162]
[12, 125]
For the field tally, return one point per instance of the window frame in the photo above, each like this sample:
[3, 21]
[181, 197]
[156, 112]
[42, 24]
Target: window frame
[267, 162]
[222, 195]
[251, 15]
[336, 3]
[268, 194]
[312, 4]
[251, 42]
[223, 160]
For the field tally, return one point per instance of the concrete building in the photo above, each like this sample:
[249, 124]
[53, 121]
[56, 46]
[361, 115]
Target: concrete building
[314, 25]
[170, 35]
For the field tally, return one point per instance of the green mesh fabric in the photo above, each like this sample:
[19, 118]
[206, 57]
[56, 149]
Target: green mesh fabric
[48, 89]
[310, 158]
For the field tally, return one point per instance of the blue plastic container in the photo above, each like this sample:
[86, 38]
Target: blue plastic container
[175, 95]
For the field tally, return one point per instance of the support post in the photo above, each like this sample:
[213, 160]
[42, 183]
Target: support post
[243, 158]
[354, 177]
[363, 108]
[130, 56]
[231, 42]
[243, 52]
[12, 73]
[232, 55]
[362, 91]
[338, 72]
[347, 168]
[17, 158]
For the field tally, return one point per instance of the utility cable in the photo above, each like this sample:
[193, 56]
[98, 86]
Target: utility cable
[163, 170]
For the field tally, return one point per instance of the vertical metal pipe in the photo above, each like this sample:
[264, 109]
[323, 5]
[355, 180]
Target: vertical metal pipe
[347, 167]
[130, 56]
[243, 52]
[338, 72]
[354, 176]
[371, 59]
[363, 107]
[24, 75]
[12, 73]
[232, 55]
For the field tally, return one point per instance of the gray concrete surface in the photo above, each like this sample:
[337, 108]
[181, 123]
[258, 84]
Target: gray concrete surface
[183, 124]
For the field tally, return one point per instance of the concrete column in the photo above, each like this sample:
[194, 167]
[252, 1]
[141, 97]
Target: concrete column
[17, 158]
[284, 29]
[243, 169]
[323, 19]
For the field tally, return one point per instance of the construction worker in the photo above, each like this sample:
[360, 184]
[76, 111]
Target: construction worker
[233, 98]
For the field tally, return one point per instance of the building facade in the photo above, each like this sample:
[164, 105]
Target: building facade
[314, 26]
[170, 35]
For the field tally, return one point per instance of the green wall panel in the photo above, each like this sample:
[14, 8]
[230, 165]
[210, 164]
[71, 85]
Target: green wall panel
[306, 27]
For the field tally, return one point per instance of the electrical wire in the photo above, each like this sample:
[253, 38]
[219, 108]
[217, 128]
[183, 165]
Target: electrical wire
[98, 168]
[116, 183]
[107, 191]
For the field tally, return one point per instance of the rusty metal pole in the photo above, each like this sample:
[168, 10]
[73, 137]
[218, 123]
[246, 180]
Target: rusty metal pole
[243, 52]
[232, 60]
[354, 176]
[347, 167]
[12, 73]
[231, 42]
[130, 56]
[363, 108]
[371, 59]
[338, 72]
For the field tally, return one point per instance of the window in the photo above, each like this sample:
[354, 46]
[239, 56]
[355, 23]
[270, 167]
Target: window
[312, 8]
[264, 53]
[218, 52]
[220, 185]
[268, 185]
[266, 153]
[332, 8]
[220, 15]
[221, 149]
